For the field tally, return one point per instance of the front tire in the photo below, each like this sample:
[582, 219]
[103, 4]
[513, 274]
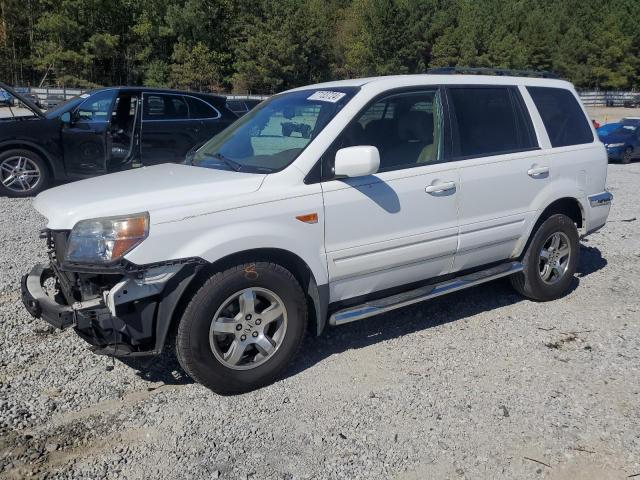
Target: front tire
[23, 173]
[627, 154]
[242, 328]
[550, 261]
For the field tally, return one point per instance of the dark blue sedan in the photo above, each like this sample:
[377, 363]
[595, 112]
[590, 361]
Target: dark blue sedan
[623, 143]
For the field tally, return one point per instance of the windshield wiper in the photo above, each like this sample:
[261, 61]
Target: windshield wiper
[236, 166]
[232, 164]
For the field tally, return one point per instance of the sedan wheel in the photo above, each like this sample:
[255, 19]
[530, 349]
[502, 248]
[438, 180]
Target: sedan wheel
[20, 174]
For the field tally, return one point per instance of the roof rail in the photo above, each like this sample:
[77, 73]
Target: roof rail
[491, 71]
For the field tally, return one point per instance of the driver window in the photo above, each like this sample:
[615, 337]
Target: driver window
[406, 128]
[96, 108]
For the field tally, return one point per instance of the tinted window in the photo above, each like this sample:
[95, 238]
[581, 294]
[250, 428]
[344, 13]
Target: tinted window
[562, 116]
[405, 128]
[200, 109]
[96, 108]
[489, 121]
[165, 107]
[236, 106]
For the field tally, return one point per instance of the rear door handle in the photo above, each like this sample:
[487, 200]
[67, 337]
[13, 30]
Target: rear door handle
[440, 187]
[538, 171]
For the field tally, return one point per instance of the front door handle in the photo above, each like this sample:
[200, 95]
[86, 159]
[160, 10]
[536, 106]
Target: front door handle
[538, 172]
[440, 187]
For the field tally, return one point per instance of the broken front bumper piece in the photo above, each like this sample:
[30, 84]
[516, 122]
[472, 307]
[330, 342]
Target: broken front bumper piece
[130, 319]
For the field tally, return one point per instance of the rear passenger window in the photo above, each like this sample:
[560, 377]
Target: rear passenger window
[200, 109]
[489, 121]
[562, 116]
[165, 107]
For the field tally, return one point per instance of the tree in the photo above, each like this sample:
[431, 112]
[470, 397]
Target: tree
[270, 45]
[196, 68]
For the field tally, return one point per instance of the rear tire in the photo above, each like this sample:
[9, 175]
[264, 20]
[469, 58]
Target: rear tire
[23, 173]
[242, 328]
[550, 261]
[626, 156]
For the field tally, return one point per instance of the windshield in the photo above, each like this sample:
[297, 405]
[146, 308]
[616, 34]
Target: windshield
[271, 136]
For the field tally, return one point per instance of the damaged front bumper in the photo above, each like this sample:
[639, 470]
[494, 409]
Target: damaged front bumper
[130, 318]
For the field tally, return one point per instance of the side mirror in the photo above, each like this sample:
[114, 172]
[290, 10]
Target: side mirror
[357, 161]
[65, 118]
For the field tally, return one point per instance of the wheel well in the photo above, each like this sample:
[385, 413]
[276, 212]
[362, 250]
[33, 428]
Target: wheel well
[567, 206]
[31, 148]
[298, 268]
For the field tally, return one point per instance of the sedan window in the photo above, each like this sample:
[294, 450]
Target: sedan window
[199, 109]
[165, 107]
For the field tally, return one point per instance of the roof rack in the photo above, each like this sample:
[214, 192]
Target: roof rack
[491, 71]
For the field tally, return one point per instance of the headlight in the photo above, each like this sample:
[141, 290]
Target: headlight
[615, 145]
[104, 240]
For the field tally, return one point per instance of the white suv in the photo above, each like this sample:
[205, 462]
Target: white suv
[404, 188]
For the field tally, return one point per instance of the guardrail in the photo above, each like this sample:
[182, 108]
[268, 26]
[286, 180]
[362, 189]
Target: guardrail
[67, 93]
[608, 98]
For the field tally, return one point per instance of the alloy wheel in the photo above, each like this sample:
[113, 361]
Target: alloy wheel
[248, 328]
[554, 258]
[19, 174]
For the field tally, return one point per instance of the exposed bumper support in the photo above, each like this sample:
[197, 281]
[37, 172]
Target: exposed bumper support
[41, 305]
[134, 321]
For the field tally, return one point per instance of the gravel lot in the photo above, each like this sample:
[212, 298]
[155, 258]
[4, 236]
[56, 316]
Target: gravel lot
[479, 384]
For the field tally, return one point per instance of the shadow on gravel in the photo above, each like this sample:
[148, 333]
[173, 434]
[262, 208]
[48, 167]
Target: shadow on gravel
[439, 311]
[422, 316]
[163, 368]
[591, 261]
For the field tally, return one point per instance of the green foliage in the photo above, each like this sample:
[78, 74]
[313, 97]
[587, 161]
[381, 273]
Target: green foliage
[270, 45]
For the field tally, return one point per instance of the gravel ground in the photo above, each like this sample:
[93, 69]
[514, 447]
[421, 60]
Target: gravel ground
[479, 384]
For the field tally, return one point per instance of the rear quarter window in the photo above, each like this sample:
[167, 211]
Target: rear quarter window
[199, 109]
[562, 116]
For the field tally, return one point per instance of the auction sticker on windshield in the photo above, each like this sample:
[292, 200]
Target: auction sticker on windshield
[326, 96]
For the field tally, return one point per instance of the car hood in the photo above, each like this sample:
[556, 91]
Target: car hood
[146, 189]
[27, 101]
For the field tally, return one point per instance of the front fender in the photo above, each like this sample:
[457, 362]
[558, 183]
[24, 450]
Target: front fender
[218, 235]
[232, 239]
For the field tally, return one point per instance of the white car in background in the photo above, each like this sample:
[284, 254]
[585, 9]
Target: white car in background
[407, 187]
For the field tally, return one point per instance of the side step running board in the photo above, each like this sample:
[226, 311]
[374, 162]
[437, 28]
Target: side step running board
[376, 307]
